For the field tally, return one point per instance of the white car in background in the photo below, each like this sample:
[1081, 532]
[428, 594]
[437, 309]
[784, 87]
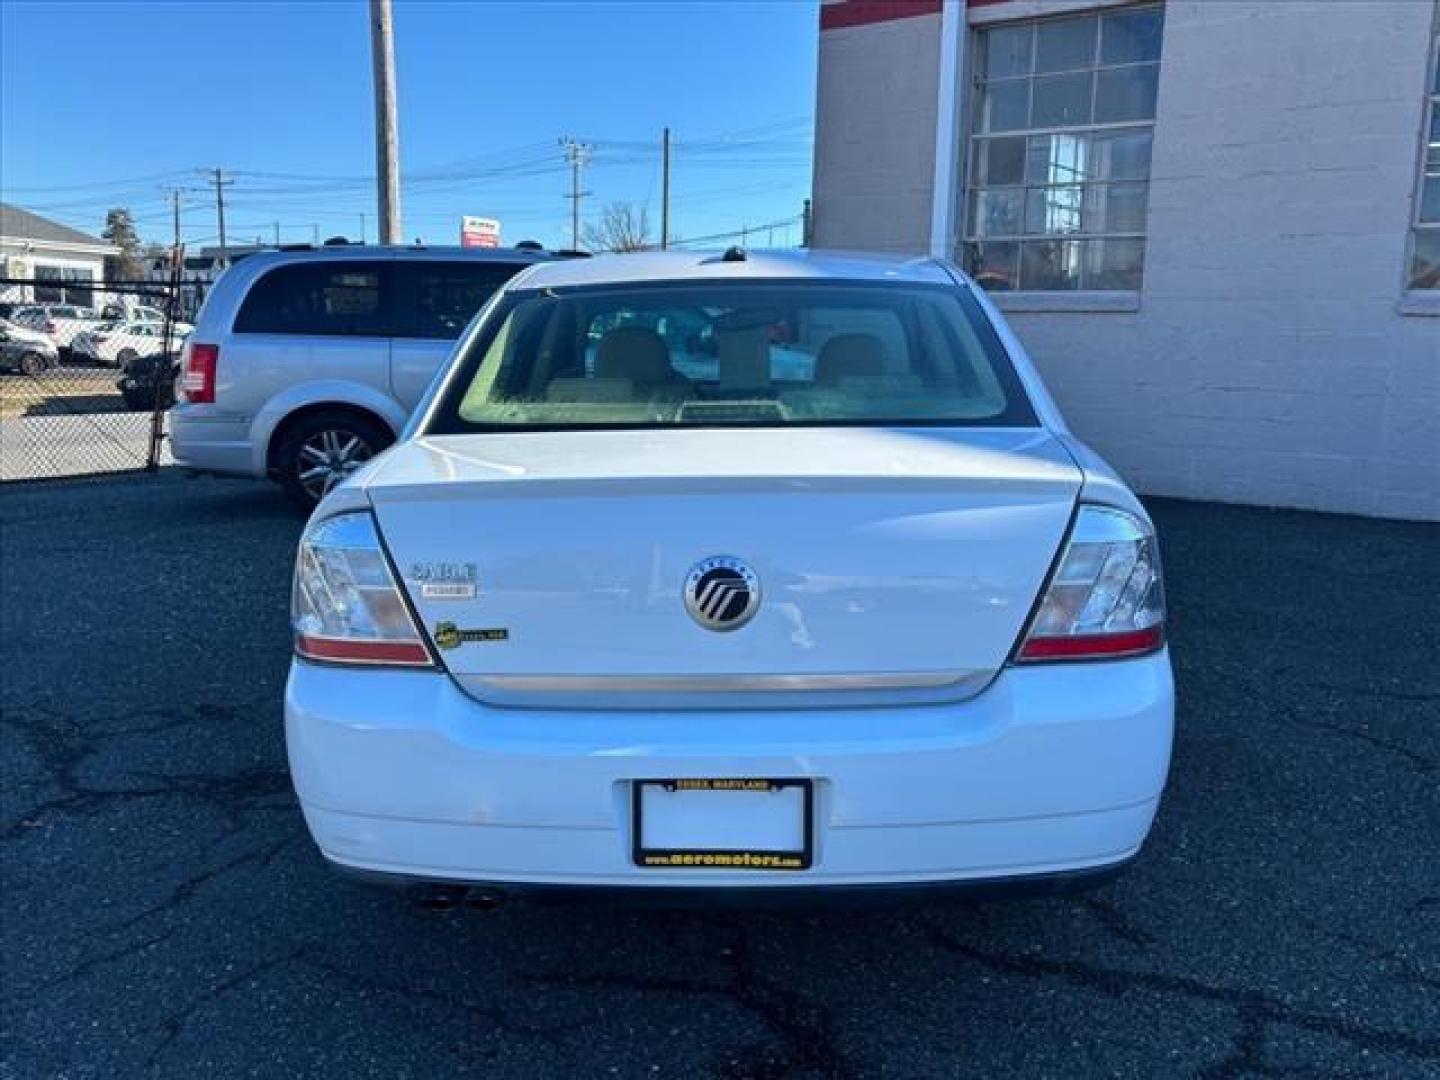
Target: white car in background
[116, 344]
[119, 312]
[59, 322]
[757, 572]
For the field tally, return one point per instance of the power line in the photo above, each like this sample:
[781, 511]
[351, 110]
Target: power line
[743, 231]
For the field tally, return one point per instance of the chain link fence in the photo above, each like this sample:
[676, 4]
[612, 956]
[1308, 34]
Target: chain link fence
[86, 375]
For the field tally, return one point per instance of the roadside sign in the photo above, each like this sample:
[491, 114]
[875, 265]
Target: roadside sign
[479, 232]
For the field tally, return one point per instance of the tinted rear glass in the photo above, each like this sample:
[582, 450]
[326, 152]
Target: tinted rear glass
[322, 298]
[758, 354]
[442, 297]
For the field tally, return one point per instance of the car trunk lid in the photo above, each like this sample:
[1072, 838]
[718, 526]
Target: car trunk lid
[893, 565]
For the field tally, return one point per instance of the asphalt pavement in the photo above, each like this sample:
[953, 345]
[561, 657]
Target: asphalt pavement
[163, 912]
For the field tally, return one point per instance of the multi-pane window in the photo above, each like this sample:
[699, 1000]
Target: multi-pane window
[64, 285]
[1424, 270]
[1060, 151]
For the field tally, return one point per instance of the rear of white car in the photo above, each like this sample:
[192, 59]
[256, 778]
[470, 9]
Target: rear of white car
[60, 322]
[757, 573]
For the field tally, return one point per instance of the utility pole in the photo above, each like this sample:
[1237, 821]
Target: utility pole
[277, 234]
[387, 138]
[578, 155]
[665, 190]
[175, 195]
[315, 234]
[219, 181]
[362, 227]
[806, 223]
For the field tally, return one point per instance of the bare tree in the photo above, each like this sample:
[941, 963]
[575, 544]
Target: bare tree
[622, 227]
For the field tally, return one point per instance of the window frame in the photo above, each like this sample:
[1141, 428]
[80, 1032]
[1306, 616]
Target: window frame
[1081, 297]
[1430, 294]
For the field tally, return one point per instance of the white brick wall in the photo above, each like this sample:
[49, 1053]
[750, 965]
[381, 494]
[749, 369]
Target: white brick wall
[1268, 361]
[875, 134]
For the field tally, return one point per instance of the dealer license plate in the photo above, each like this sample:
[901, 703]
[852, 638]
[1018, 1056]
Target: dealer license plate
[726, 824]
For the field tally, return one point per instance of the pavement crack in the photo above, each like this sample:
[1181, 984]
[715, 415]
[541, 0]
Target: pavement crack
[185, 890]
[1383, 693]
[1116, 922]
[806, 1038]
[91, 963]
[62, 749]
[1422, 762]
[1409, 970]
[1246, 1003]
[499, 1018]
[172, 1026]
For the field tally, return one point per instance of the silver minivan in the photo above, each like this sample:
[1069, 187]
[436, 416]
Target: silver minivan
[306, 363]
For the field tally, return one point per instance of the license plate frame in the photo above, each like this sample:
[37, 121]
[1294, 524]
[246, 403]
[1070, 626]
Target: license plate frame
[783, 860]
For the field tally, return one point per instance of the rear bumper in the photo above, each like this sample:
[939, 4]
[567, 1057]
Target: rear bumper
[487, 895]
[1053, 770]
[218, 444]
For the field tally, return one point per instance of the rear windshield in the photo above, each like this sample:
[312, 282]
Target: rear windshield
[759, 354]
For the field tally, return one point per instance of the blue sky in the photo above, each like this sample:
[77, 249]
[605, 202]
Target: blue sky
[104, 104]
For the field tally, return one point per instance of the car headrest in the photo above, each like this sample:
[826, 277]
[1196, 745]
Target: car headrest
[846, 356]
[635, 353]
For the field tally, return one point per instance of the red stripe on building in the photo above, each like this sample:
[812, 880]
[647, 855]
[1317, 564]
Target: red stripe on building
[865, 12]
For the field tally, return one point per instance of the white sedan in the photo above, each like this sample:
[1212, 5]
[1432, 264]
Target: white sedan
[643, 600]
[115, 344]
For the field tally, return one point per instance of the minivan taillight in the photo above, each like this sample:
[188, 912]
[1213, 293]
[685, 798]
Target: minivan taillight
[198, 381]
[1105, 599]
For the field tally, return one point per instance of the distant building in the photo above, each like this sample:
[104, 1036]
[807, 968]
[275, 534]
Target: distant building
[1215, 226]
[201, 269]
[61, 264]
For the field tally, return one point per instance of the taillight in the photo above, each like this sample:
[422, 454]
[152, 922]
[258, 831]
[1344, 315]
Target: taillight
[198, 381]
[345, 606]
[1106, 598]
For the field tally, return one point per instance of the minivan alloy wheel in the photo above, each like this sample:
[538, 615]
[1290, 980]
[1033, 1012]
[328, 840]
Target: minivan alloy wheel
[327, 457]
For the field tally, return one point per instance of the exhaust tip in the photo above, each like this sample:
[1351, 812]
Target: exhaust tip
[484, 899]
[440, 898]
